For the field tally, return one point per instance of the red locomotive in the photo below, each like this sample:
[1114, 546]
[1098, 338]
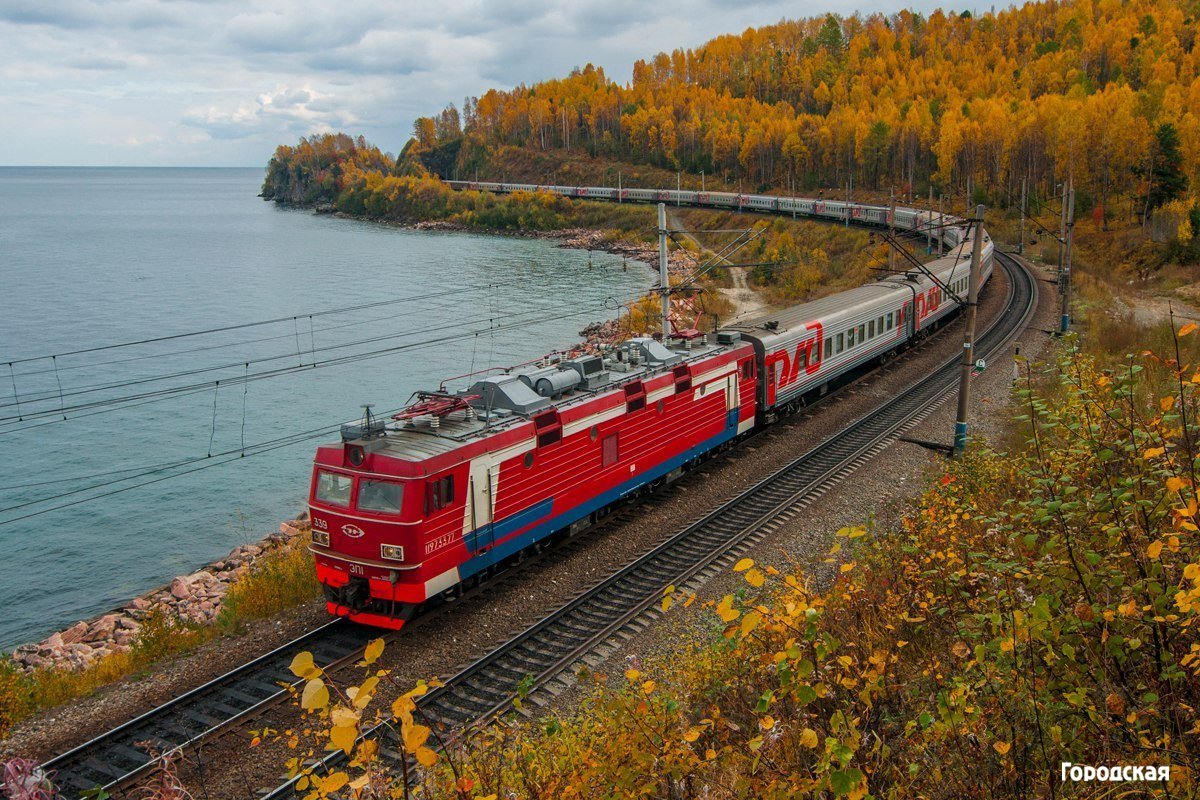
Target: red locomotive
[457, 483]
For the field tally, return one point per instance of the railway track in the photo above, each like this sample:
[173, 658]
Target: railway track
[114, 759]
[626, 601]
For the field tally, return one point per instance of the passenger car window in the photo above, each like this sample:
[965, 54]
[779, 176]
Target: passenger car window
[333, 488]
[380, 496]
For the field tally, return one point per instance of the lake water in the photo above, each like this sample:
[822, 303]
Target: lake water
[96, 257]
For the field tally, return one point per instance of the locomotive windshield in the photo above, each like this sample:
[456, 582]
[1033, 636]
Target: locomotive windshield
[380, 496]
[333, 488]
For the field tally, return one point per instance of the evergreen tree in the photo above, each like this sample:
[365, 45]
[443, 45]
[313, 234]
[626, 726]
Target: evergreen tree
[1167, 179]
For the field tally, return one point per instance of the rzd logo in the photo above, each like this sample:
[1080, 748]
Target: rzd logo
[808, 354]
[353, 531]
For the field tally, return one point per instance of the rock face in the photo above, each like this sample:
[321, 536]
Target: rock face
[193, 599]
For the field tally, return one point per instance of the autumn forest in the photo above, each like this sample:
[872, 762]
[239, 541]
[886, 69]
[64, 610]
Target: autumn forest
[1047, 91]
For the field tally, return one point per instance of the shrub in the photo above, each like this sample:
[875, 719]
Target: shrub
[281, 579]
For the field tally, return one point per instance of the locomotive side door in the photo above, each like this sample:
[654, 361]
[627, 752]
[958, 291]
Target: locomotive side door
[484, 480]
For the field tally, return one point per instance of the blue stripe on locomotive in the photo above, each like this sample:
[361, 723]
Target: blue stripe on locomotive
[515, 522]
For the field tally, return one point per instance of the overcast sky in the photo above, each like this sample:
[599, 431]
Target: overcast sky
[222, 82]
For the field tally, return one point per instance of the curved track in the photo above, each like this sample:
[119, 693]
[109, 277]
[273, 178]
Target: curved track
[548, 650]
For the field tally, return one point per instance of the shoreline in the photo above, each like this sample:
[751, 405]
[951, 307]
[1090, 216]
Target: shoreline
[587, 239]
[194, 599]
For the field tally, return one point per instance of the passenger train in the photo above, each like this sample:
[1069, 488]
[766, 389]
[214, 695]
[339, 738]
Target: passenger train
[456, 484]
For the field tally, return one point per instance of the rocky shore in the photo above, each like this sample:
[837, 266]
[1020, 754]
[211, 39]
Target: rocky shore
[679, 262]
[193, 599]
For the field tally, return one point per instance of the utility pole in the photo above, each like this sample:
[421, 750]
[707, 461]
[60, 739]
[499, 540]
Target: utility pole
[1062, 235]
[849, 188]
[1066, 267]
[968, 354]
[941, 224]
[1021, 242]
[891, 230]
[702, 180]
[663, 278]
[929, 224]
[620, 198]
[678, 186]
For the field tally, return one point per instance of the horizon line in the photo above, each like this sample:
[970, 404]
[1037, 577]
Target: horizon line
[130, 166]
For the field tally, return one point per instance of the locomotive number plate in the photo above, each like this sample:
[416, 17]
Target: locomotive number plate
[439, 543]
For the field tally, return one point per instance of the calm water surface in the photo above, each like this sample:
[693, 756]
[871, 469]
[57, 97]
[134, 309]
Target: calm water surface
[93, 257]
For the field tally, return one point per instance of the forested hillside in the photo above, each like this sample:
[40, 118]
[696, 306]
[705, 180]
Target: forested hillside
[1106, 94]
[1046, 91]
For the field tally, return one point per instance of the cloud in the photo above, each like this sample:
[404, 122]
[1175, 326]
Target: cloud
[296, 110]
[97, 61]
[223, 81]
[277, 31]
[77, 14]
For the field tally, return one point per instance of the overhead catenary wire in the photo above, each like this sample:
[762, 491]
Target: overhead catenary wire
[260, 323]
[202, 462]
[91, 387]
[206, 463]
[191, 388]
[85, 388]
[239, 342]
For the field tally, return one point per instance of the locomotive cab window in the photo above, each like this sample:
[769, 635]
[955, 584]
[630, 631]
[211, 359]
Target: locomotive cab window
[382, 496]
[441, 493]
[748, 369]
[333, 488]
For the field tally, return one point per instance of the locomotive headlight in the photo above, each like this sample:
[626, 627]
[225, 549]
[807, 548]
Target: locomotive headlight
[393, 552]
[321, 538]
